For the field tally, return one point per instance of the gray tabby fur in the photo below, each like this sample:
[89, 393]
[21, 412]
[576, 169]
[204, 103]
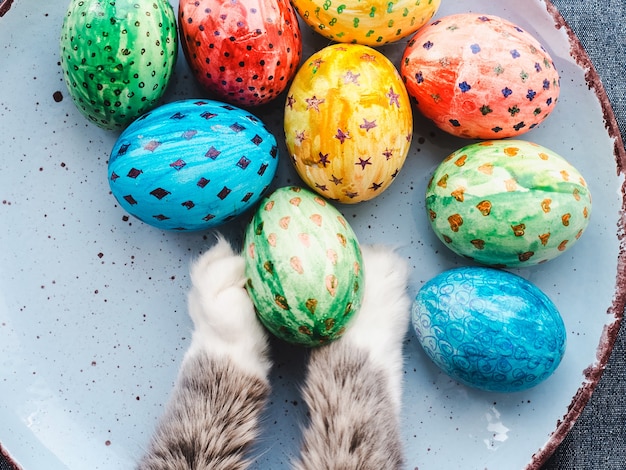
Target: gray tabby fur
[353, 386]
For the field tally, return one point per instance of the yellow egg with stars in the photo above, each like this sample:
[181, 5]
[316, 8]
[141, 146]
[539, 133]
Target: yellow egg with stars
[348, 122]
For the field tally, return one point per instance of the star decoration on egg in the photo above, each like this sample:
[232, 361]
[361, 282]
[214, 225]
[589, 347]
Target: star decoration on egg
[393, 97]
[367, 125]
[300, 136]
[323, 159]
[341, 136]
[364, 163]
[291, 101]
[351, 77]
[314, 103]
[336, 181]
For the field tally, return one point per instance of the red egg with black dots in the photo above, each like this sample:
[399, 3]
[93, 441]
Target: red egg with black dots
[242, 52]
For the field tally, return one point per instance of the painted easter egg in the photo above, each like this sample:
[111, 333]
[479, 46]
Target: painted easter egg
[348, 122]
[244, 52]
[117, 57]
[489, 329]
[480, 76]
[304, 267]
[192, 164]
[508, 203]
[371, 22]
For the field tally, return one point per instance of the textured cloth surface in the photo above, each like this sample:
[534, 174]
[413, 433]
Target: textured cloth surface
[598, 439]
[4, 465]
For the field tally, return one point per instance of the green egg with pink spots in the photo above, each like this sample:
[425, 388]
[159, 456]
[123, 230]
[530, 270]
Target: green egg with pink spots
[304, 267]
[508, 203]
[117, 57]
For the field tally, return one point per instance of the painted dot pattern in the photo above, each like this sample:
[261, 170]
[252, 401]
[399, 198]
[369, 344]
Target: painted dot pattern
[304, 267]
[192, 165]
[243, 52]
[480, 76]
[117, 57]
[489, 329]
[371, 23]
[508, 203]
[348, 123]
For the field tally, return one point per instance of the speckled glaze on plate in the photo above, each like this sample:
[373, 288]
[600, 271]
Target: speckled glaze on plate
[93, 322]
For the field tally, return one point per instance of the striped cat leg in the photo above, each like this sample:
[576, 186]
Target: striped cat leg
[353, 387]
[213, 414]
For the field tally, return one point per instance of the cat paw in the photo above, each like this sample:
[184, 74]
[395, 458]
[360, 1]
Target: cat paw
[381, 324]
[385, 310]
[225, 323]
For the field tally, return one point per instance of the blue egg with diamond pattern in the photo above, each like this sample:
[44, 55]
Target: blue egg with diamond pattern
[192, 165]
[489, 329]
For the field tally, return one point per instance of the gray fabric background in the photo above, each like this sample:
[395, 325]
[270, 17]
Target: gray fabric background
[598, 439]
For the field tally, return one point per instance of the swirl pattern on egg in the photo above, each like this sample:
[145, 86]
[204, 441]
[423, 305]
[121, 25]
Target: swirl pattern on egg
[489, 329]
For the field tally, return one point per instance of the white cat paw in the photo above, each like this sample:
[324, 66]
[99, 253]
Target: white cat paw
[381, 324]
[225, 322]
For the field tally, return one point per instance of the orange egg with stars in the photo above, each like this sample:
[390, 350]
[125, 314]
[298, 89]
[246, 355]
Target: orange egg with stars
[348, 122]
[480, 76]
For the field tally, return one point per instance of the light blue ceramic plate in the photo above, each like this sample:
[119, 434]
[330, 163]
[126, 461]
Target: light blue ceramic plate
[93, 322]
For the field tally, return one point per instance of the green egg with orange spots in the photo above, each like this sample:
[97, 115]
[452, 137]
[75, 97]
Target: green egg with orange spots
[304, 267]
[117, 57]
[508, 203]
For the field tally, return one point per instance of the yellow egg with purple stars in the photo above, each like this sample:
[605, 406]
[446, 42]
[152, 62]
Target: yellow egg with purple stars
[348, 123]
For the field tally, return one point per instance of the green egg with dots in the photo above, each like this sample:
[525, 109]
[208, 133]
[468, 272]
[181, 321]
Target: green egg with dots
[304, 267]
[117, 57]
[508, 203]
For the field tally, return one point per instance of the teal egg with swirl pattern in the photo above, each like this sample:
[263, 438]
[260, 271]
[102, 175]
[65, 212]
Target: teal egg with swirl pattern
[489, 329]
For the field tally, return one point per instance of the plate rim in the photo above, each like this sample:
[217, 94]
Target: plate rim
[594, 372]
